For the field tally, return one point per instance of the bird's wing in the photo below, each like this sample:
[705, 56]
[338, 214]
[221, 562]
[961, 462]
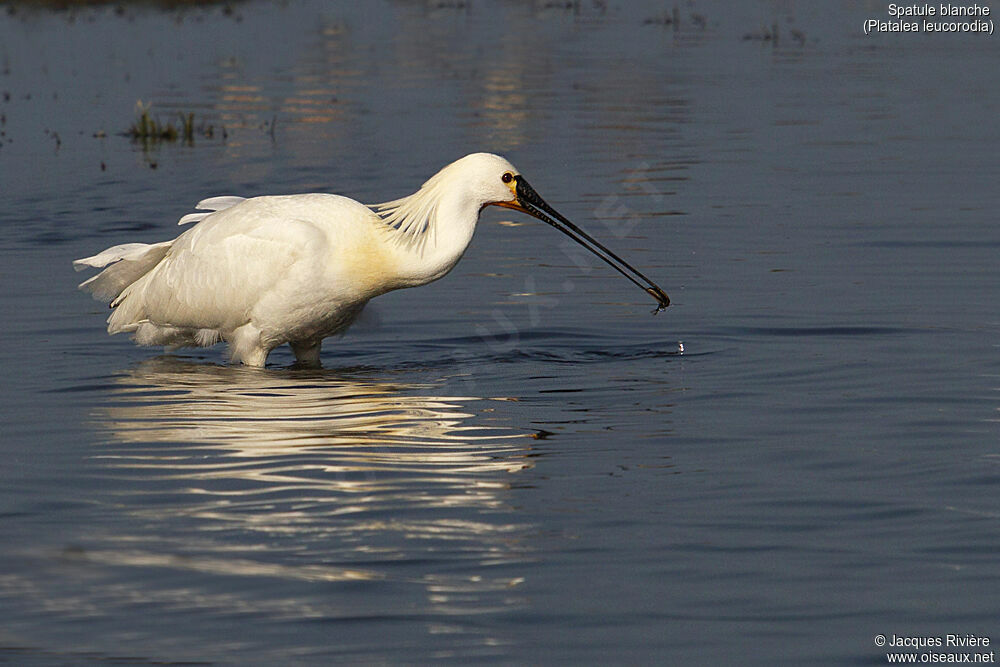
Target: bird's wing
[215, 273]
[208, 206]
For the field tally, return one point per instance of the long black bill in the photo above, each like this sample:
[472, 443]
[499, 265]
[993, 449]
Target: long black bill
[533, 204]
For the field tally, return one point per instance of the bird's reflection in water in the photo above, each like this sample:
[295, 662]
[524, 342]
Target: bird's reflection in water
[313, 476]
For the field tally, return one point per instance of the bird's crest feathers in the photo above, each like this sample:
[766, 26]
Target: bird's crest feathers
[413, 216]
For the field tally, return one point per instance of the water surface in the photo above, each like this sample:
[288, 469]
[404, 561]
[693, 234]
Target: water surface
[517, 463]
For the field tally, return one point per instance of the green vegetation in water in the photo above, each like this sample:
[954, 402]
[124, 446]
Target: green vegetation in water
[150, 130]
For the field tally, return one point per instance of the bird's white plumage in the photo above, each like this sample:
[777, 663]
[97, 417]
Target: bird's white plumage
[207, 206]
[265, 271]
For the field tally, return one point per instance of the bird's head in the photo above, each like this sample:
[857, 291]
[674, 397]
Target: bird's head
[497, 182]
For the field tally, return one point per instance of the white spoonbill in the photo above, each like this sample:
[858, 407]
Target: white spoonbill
[261, 272]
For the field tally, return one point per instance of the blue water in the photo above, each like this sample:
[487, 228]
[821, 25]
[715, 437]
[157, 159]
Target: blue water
[518, 463]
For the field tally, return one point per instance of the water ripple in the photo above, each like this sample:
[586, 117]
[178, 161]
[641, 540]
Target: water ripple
[223, 474]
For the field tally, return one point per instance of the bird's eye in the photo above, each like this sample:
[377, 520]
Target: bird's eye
[507, 177]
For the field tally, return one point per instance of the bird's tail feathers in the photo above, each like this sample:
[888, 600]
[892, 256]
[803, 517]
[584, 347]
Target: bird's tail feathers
[125, 264]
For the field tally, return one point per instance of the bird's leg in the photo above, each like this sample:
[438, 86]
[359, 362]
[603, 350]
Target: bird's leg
[256, 358]
[245, 346]
[307, 352]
